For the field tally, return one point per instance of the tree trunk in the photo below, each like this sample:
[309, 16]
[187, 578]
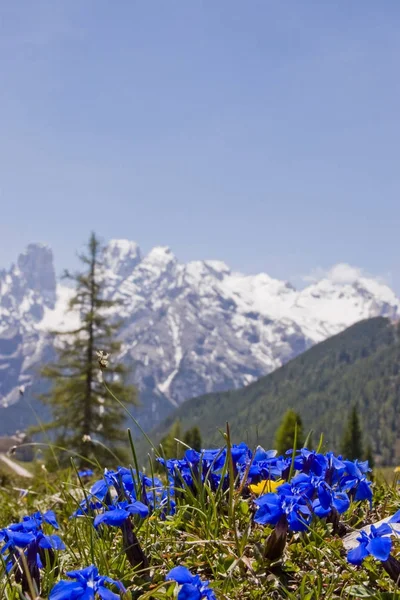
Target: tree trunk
[87, 416]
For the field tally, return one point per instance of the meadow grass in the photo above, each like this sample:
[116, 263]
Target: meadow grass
[200, 518]
[212, 533]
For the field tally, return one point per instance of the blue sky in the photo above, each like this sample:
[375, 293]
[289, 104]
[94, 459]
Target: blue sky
[262, 133]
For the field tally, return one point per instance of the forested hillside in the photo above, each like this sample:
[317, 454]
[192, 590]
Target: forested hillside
[358, 366]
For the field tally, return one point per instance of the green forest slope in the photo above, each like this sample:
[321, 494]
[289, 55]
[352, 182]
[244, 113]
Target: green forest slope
[360, 365]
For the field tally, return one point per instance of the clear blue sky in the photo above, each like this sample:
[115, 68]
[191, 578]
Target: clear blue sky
[262, 133]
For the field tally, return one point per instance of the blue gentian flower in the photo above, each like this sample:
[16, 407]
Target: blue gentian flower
[118, 514]
[272, 507]
[88, 585]
[266, 465]
[334, 469]
[374, 543]
[310, 461]
[120, 484]
[86, 473]
[328, 500]
[355, 482]
[34, 521]
[27, 537]
[300, 485]
[192, 587]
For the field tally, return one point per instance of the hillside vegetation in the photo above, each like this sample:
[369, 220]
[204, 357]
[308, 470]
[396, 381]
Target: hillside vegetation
[358, 366]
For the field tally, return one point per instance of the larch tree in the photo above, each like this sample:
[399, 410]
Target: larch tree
[86, 418]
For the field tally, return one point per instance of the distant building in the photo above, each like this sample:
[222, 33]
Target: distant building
[10, 442]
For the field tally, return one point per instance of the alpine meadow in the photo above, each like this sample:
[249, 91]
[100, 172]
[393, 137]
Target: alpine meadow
[199, 300]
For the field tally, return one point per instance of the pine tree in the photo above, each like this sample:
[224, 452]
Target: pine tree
[193, 438]
[85, 417]
[352, 444]
[286, 432]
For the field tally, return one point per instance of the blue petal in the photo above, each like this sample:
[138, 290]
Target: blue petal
[180, 575]
[268, 514]
[380, 547]
[261, 454]
[138, 508]
[296, 523]
[115, 518]
[270, 499]
[83, 575]
[364, 491]
[341, 502]
[20, 539]
[50, 517]
[383, 529]
[99, 489]
[88, 594]
[352, 469]
[324, 496]
[319, 510]
[285, 489]
[363, 466]
[348, 483]
[52, 541]
[395, 518]
[357, 555]
[189, 592]
[106, 594]
[31, 523]
[66, 590]
[104, 579]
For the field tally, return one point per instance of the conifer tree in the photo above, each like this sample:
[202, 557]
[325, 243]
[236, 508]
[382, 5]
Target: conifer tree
[170, 447]
[285, 434]
[193, 438]
[83, 411]
[352, 443]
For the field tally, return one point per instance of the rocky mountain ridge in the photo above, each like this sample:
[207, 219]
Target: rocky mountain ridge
[189, 329]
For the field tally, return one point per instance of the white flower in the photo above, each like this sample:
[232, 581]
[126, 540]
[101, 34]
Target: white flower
[102, 358]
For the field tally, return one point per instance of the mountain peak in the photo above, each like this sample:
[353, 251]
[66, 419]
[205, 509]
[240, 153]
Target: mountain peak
[161, 256]
[36, 266]
[121, 257]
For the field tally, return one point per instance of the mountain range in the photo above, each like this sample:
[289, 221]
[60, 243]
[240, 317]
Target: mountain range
[357, 367]
[188, 329]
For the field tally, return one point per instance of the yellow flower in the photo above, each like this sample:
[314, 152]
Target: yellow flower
[265, 486]
[396, 470]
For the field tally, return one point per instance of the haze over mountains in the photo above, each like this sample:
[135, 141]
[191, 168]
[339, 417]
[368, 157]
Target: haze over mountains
[188, 329]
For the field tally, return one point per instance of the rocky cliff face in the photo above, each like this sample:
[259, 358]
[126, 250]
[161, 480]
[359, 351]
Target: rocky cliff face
[188, 328]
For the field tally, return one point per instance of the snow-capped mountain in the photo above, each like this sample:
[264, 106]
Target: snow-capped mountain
[188, 328]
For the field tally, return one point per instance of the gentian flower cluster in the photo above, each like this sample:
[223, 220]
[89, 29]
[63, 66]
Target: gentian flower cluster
[192, 587]
[87, 585]
[321, 486]
[125, 485]
[28, 537]
[114, 501]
